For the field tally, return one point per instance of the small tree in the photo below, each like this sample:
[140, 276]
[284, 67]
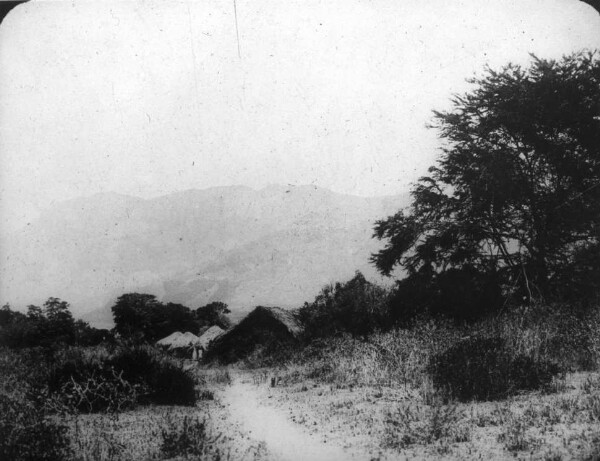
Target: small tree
[357, 307]
[141, 317]
[131, 314]
[214, 313]
[59, 325]
[516, 191]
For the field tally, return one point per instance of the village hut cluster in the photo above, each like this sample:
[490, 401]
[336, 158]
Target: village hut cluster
[188, 345]
[262, 328]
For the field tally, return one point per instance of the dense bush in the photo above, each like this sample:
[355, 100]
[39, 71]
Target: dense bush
[480, 368]
[49, 326]
[357, 306]
[565, 334]
[100, 380]
[460, 294]
[27, 434]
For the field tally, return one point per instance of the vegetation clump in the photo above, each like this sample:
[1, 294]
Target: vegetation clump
[510, 209]
[190, 439]
[104, 381]
[480, 368]
[425, 424]
[27, 433]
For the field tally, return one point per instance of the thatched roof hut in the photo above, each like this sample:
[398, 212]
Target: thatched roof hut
[210, 335]
[263, 327]
[179, 340]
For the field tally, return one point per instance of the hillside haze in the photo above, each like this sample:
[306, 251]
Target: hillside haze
[275, 246]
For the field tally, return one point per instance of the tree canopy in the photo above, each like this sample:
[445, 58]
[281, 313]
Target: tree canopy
[357, 307]
[516, 189]
[214, 313]
[51, 325]
[141, 317]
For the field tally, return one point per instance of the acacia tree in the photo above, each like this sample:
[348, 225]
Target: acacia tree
[516, 189]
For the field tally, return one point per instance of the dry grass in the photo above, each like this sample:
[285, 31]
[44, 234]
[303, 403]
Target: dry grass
[391, 424]
[156, 433]
[377, 392]
[373, 395]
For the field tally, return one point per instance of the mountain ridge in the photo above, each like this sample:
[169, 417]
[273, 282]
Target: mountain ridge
[277, 246]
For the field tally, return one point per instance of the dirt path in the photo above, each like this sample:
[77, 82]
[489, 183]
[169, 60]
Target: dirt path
[284, 439]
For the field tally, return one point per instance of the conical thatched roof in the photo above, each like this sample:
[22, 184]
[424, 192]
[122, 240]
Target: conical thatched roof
[287, 318]
[264, 326]
[169, 339]
[209, 335]
[179, 340]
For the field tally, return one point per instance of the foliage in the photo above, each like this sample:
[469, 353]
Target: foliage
[424, 424]
[85, 335]
[405, 358]
[564, 334]
[214, 313]
[92, 381]
[141, 317]
[515, 192]
[358, 307]
[464, 294]
[26, 433]
[51, 325]
[189, 440]
[480, 368]
[515, 437]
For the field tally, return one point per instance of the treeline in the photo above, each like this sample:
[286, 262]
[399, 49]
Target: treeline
[49, 325]
[142, 318]
[52, 365]
[139, 318]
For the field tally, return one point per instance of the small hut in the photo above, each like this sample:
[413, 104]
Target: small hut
[182, 344]
[263, 327]
[209, 336]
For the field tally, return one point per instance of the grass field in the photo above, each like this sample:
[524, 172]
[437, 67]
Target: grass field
[524, 386]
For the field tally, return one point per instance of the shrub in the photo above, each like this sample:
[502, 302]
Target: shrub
[515, 436]
[357, 306]
[103, 381]
[425, 424]
[99, 392]
[170, 385]
[572, 341]
[189, 439]
[459, 294]
[27, 434]
[483, 368]
[166, 382]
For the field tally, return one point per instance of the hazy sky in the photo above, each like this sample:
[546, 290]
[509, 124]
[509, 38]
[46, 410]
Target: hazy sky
[151, 97]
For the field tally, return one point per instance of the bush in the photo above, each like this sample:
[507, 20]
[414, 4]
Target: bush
[357, 306]
[191, 439]
[170, 385]
[458, 294]
[26, 433]
[480, 368]
[166, 382]
[424, 424]
[102, 381]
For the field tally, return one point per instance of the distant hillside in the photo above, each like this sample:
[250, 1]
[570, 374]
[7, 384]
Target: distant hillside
[275, 246]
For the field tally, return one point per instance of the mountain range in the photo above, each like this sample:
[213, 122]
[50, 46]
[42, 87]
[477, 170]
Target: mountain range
[277, 246]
